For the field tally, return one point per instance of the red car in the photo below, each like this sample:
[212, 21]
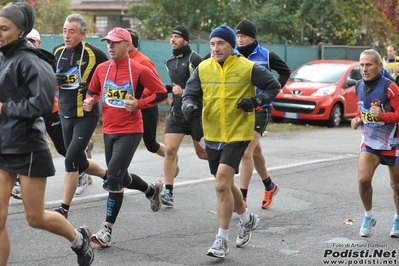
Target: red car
[322, 90]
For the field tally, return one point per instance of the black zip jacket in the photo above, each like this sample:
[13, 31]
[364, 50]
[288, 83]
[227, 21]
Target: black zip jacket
[70, 101]
[27, 90]
[180, 67]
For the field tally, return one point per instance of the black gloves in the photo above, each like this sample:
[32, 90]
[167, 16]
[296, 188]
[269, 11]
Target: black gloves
[189, 111]
[169, 88]
[61, 78]
[84, 87]
[248, 104]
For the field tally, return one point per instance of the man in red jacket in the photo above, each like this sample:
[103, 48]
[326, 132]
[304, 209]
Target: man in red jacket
[120, 83]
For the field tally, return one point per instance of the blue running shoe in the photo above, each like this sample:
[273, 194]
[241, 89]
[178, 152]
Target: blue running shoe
[367, 228]
[167, 198]
[395, 229]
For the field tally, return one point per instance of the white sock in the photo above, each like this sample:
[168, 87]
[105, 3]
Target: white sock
[223, 234]
[78, 240]
[369, 214]
[244, 217]
[396, 217]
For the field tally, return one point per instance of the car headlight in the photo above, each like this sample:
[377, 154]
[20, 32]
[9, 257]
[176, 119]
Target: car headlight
[324, 91]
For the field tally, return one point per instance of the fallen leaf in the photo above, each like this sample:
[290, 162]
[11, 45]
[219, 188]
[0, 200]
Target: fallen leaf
[349, 221]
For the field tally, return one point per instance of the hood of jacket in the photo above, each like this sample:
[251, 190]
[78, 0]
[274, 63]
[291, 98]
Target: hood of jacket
[24, 44]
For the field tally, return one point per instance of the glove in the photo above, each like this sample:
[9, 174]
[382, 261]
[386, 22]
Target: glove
[61, 78]
[248, 104]
[169, 88]
[189, 111]
[84, 87]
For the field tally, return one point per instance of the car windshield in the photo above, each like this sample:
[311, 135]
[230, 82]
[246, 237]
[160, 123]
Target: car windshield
[323, 73]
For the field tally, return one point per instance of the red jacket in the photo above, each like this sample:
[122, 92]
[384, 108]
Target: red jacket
[119, 120]
[139, 57]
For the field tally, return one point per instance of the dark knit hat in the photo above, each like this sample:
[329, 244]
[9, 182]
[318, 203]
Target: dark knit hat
[21, 14]
[226, 33]
[182, 31]
[135, 37]
[246, 27]
[135, 40]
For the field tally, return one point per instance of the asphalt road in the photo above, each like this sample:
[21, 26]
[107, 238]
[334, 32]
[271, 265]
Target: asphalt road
[317, 173]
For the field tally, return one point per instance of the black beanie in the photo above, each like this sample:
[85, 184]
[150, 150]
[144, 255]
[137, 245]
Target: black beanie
[182, 31]
[246, 27]
[29, 14]
[135, 37]
[135, 40]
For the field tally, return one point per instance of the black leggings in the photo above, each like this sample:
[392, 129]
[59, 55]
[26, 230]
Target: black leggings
[77, 132]
[119, 151]
[150, 122]
[54, 130]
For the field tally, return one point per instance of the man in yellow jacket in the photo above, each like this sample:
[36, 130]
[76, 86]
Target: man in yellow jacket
[391, 61]
[223, 89]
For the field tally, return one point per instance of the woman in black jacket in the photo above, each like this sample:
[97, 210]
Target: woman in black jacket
[27, 90]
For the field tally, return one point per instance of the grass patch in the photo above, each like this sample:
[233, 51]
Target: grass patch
[282, 127]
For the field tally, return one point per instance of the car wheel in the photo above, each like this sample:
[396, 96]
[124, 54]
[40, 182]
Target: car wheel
[277, 119]
[335, 116]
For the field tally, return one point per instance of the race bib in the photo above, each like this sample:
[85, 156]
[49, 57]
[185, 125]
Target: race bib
[72, 79]
[367, 118]
[116, 95]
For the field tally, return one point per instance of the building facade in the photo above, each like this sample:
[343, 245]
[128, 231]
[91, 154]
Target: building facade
[105, 14]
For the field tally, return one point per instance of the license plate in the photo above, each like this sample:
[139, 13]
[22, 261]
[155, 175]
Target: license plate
[291, 115]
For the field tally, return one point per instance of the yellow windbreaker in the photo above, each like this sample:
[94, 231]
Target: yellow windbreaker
[223, 88]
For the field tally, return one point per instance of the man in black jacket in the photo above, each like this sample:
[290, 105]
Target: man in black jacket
[180, 64]
[76, 61]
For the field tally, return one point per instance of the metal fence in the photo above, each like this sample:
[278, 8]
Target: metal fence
[294, 56]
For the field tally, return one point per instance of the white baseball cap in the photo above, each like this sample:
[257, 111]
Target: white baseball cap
[33, 35]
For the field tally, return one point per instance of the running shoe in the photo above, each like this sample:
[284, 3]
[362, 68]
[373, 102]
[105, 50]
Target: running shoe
[177, 166]
[268, 197]
[102, 237]
[167, 198]
[82, 184]
[219, 249]
[155, 200]
[16, 191]
[105, 185]
[89, 179]
[245, 230]
[84, 252]
[395, 229]
[89, 148]
[367, 228]
[62, 211]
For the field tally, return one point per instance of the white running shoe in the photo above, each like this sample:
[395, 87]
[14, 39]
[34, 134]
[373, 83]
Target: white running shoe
[16, 191]
[245, 230]
[155, 200]
[367, 228]
[219, 249]
[102, 237]
[82, 184]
